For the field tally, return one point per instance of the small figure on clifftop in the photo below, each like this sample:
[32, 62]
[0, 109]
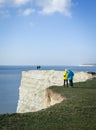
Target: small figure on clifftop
[70, 77]
[65, 74]
[38, 67]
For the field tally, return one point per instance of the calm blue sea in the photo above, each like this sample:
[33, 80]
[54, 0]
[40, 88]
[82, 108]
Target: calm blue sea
[10, 77]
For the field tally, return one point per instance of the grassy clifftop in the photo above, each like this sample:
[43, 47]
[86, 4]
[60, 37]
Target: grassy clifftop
[77, 112]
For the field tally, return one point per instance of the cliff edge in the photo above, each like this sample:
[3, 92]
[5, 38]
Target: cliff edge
[34, 94]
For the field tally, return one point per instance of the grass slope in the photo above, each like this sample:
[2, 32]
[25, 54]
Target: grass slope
[78, 112]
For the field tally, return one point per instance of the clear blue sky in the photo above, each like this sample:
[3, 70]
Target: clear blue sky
[47, 32]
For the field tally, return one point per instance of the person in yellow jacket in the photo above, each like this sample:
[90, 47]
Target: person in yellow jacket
[65, 74]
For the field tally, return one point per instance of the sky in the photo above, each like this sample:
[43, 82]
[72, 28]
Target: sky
[47, 32]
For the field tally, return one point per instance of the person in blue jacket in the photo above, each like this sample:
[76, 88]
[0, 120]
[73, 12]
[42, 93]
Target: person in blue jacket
[70, 77]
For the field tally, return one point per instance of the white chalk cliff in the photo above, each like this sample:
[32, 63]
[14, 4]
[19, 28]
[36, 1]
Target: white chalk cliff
[34, 94]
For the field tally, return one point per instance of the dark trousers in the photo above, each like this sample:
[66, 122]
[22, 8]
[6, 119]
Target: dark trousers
[65, 83]
[71, 82]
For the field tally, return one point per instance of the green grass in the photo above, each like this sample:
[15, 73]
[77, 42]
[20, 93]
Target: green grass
[78, 112]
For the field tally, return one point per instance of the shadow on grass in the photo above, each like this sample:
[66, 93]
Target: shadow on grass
[89, 84]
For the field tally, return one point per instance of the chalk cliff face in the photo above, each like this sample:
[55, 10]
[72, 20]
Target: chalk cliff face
[33, 92]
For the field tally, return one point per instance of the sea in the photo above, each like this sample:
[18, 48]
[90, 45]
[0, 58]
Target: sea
[10, 79]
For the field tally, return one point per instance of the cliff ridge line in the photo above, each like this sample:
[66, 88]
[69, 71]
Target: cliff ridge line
[32, 91]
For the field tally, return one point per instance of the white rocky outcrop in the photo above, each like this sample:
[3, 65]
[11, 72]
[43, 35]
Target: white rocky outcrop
[32, 92]
[82, 76]
[52, 98]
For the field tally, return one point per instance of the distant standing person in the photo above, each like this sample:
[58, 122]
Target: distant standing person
[70, 77]
[65, 74]
[38, 67]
